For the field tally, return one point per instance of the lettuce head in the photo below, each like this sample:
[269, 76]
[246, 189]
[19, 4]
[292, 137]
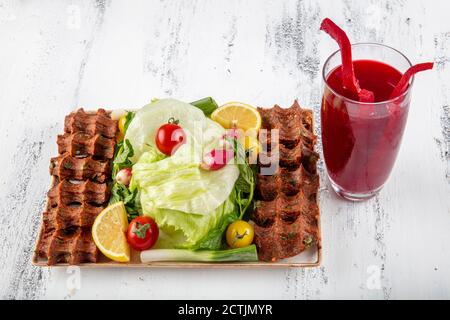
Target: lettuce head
[190, 205]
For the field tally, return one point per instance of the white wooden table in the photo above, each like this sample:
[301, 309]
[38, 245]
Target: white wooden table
[58, 55]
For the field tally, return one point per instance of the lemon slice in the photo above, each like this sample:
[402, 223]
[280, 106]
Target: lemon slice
[237, 114]
[109, 230]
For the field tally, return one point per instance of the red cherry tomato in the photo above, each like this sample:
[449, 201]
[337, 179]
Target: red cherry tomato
[170, 137]
[142, 233]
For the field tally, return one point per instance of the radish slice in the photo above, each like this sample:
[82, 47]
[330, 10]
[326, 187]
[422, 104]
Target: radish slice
[404, 81]
[124, 176]
[217, 159]
[348, 72]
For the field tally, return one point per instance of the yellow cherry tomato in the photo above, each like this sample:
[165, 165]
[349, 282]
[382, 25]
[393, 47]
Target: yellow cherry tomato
[240, 234]
[121, 123]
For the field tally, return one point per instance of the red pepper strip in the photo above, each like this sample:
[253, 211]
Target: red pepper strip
[395, 110]
[404, 81]
[348, 73]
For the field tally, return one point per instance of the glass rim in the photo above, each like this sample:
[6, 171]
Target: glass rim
[324, 76]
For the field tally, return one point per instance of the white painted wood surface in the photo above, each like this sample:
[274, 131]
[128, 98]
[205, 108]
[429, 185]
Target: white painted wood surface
[58, 55]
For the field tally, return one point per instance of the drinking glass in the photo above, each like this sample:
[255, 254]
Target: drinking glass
[361, 140]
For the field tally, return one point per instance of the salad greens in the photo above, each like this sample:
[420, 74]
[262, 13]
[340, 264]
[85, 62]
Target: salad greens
[119, 192]
[245, 184]
[247, 254]
[130, 198]
[124, 149]
[122, 157]
[142, 130]
[214, 239]
[178, 183]
[192, 207]
[128, 118]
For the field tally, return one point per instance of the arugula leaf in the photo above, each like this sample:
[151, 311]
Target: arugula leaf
[124, 149]
[128, 118]
[125, 153]
[213, 240]
[122, 158]
[116, 193]
[131, 199]
[242, 195]
[119, 192]
[245, 184]
[133, 203]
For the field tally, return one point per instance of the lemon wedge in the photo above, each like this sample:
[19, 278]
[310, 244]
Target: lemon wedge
[109, 230]
[239, 115]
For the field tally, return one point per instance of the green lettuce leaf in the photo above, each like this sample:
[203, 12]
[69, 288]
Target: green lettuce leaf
[188, 231]
[191, 206]
[121, 159]
[214, 239]
[178, 184]
[182, 197]
[201, 132]
[130, 198]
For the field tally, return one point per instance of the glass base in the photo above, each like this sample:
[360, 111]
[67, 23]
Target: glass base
[355, 197]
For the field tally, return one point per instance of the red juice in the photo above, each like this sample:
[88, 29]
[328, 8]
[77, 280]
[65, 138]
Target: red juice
[361, 140]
